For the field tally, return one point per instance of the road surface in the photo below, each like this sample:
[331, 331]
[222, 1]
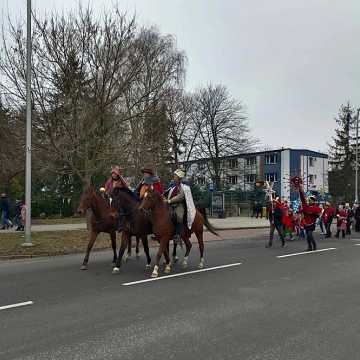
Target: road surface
[260, 307]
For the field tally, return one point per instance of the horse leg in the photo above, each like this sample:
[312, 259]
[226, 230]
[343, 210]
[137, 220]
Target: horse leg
[199, 234]
[124, 242]
[188, 245]
[93, 236]
[128, 254]
[162, 247]
[167, 260]
[137, 251]
[145, 243]
[174, 256]
[113, 245]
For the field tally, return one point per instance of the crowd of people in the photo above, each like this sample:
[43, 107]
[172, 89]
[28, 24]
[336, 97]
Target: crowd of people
[291, 223]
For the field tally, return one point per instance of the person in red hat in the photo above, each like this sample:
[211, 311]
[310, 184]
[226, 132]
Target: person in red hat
[149, 180]
[115, 181]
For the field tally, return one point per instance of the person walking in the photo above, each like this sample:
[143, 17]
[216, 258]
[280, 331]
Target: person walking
[327, 218]
[275, 212]
[17, 216]
[5, 212]
[349, 218]
[341, 216]
[357, 217]
[311, 212]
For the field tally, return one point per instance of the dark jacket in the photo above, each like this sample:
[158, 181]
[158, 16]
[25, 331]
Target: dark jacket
[4, 204]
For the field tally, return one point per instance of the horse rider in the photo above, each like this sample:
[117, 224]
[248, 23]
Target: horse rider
[149, 180]
[176, 199]
[115, 181]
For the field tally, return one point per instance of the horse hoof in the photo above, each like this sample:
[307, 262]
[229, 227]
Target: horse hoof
[83, 267]
[201, 265]
[167, 269]
[154, 275]
[175, 259]
[116, 270]
[184, 265]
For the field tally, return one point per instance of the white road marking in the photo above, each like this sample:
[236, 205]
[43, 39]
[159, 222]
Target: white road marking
[357, 244]
[16, 305]
[305, 253]
[181, 274]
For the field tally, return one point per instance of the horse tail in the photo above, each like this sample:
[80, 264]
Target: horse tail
[207, 223]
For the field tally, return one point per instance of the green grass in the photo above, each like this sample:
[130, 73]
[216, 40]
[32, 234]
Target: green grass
[49, 243]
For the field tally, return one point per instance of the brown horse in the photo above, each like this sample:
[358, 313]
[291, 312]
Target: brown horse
[104, 218]
[164, 230]
[135, 222]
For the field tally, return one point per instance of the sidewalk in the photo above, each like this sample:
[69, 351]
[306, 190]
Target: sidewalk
[230, 223]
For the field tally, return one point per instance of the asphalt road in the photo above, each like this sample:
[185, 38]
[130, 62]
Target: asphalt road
[297, 307]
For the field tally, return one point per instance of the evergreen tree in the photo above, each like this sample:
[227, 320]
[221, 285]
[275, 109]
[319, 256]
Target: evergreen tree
[342, 155]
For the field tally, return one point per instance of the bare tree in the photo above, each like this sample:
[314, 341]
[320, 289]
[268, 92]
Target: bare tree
[223, 127]
[82, 67]
[163, 68]
[11, 147]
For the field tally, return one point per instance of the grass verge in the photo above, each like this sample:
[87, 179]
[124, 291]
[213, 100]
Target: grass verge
[49, 243]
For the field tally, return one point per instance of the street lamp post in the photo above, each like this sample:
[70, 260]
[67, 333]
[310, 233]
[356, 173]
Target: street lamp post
[357, 158]
[28, 130]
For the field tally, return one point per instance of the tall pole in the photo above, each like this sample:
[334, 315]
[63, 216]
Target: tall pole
[357, 158]
[28, 130]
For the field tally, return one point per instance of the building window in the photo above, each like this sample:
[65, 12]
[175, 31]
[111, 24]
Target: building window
[251, 160]
[250, 178]
[233, 180]
[271, 177]
[270, 159]
[312, 161]
[233, 163]
[312, 179]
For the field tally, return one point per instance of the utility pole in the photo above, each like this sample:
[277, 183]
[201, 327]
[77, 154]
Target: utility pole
[28, 130]
[357, 158]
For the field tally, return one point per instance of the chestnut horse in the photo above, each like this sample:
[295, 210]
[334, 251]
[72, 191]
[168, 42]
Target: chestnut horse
[104, 218]
[164, 230]
[135, 222]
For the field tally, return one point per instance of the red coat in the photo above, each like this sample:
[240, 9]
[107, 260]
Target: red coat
[311, 212]
[341, 219]
[327, 214]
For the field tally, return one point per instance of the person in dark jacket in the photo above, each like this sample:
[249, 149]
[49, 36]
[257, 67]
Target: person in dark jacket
[349, 218]
[275, 212]
[5, 212]
[357, 217]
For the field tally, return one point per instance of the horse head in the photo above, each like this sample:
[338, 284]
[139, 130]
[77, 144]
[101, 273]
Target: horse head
[86, 199]
[151, 198]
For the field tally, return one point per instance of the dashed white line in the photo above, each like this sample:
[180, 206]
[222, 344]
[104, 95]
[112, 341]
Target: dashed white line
[181, 274]
[305, 253]
[16, 305]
